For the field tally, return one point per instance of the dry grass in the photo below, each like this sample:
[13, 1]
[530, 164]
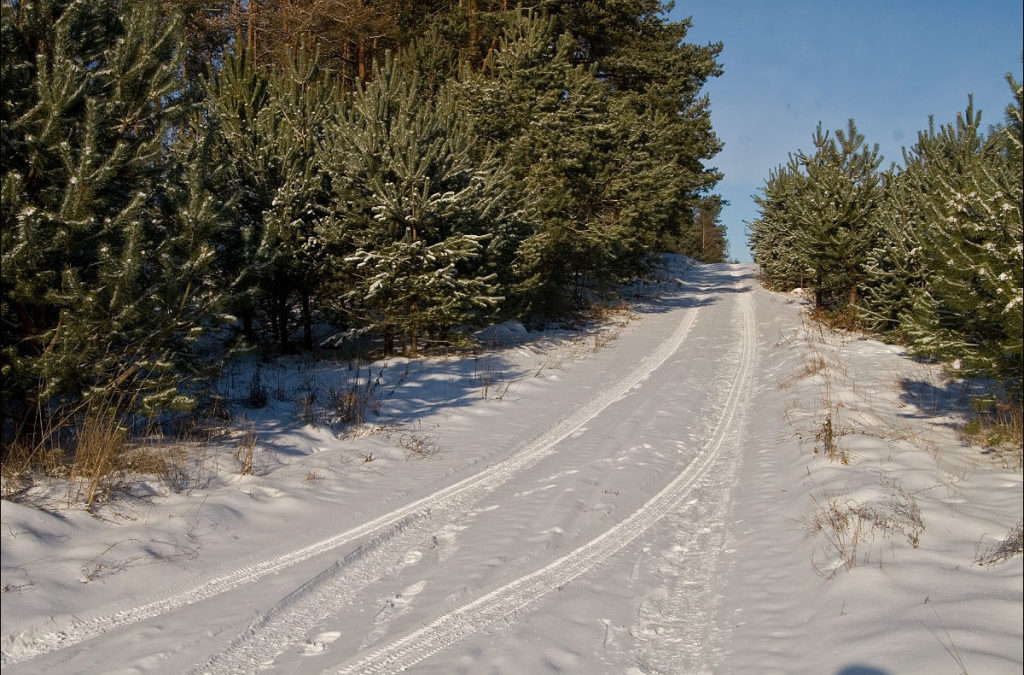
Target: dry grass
[97, 463]
[246, 451]
[99, 460]
[1010, 546]
[307, 409]
[826, 437]
[23, 463]
[845, 319]
[815, 364]
[350, 405]
[618, 312]
[998, 428]
[490, 380]
[418, 444]
[845, 525]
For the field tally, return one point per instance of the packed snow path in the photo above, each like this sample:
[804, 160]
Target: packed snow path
[563, 531]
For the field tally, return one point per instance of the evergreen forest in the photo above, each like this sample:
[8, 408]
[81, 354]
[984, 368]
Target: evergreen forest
[927, 254]
[185, 177]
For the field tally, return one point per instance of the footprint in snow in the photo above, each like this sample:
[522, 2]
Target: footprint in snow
[321, 642]
[394, 606]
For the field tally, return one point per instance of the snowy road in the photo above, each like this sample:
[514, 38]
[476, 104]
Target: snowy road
[576, 506]
[631, 500]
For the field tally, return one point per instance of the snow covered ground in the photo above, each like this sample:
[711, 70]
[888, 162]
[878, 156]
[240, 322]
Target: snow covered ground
[703, 484]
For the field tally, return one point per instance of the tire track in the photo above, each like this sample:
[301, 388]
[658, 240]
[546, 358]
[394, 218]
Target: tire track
[33, 642]
[284, 624]
[517, 595]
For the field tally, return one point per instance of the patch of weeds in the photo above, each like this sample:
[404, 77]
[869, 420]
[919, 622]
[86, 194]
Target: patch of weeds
[814, 365]
[307, 404]
[280, 392]
[245, 452]
[491, 381]
[23, 464]
[418, 444]
[103, 460]
[603, 338]
[258, 396]
[845, 318]
[826, 436]
[846, 524]
[998, 428]
[97, 466]
[169, 462]
[1011, 546]
[349, 405]
[96, 569]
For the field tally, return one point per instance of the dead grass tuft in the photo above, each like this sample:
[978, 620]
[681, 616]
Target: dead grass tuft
[361, 396]
[98, 459]
[245, 452]
[845, 525]
[846, 318]
[418, 444]
[492, 382]
[998, 428]
[1011, 546]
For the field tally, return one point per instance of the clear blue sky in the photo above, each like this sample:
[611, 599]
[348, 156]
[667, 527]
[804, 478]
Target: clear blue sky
[887, 64]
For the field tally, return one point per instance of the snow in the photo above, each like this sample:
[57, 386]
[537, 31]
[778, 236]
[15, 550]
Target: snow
[637, 497]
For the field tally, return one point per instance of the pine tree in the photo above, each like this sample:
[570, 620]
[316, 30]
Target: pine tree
[895, 270]
[238, 96]
[969, 189]
[301, 108]
[549, 120]
[834, 215]
[709, 239]
[655, 79]
[772, 237]
[270, 123]
[413, 208]
[101, 291]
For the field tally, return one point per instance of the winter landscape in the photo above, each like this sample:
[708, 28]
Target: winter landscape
[369, 336]
[590, 501]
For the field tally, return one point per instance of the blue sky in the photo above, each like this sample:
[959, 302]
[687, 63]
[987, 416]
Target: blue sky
[887, 64]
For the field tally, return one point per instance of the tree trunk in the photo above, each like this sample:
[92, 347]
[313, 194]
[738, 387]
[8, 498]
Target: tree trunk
[281, 293]
[307, 322]
[346, 60]
[474, 35]
[247, 329]
[361, 59]
[250, 43]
